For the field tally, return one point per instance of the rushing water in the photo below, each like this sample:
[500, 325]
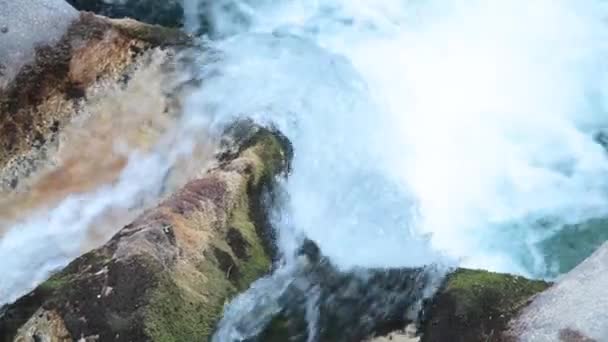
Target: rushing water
[425, 132]
[451, 132]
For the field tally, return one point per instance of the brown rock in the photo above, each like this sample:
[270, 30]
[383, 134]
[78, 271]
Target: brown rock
[166, 276]
[45, 94]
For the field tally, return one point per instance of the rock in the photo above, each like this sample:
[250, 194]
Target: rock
[162, 12]
[575, 309]
[347, 305]
[476, 306]
[376, 304]
[166, 276]
[470, 306]
[51, 58]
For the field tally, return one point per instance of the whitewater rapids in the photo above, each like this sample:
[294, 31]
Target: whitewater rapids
[425, 131]
[456, 132]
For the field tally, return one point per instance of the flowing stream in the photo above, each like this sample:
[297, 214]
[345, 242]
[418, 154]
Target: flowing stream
[426, 132]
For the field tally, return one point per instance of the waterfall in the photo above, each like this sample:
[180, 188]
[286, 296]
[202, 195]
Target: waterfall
[425, 132]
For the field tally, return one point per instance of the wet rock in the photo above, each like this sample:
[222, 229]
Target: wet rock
[346, 305]
[574, 309]
[476, 306]
[469, 305]
[417, 304]
[50, 57]
[166, 276]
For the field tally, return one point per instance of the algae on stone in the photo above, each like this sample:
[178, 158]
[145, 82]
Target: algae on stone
[167, 276]
[475, 305]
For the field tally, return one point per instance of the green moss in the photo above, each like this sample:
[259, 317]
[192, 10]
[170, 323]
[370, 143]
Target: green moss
[276, 331]
[56, 282]
[187, 309]
[476, 305]
[256, 266]
[272, 152]
[271, 159]
[258, 262]
[186, 305]
[472, 289]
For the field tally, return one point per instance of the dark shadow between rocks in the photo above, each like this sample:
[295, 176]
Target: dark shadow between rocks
[349, 305]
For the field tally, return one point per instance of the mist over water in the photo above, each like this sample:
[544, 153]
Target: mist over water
[424, 131]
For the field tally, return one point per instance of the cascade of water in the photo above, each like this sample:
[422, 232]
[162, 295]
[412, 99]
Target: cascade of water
[461, 128]
[424, 131]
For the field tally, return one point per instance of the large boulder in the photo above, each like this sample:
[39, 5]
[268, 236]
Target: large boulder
[480, 306]
[166, 276]
[475, 305]
[51, 58]
[575, 309]
[324, 303]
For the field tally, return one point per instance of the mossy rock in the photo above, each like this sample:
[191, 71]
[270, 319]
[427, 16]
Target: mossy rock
[573, 244]
[350, 305]
[475, 305]
[167, 276]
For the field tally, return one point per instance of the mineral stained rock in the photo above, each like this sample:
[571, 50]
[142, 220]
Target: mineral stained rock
[351, 304]
[50, 58]
[166, 276]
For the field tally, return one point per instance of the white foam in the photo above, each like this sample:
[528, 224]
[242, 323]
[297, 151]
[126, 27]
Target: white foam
[471, 121]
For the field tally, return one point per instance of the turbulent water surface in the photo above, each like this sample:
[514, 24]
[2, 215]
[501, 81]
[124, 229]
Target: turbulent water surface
[452, 132]
[425, 132]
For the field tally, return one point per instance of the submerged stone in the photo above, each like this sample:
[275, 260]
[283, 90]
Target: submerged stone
[323, 303]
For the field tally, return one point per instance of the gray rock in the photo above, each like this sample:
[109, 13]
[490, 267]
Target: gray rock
[25, 25]
[574, 309]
